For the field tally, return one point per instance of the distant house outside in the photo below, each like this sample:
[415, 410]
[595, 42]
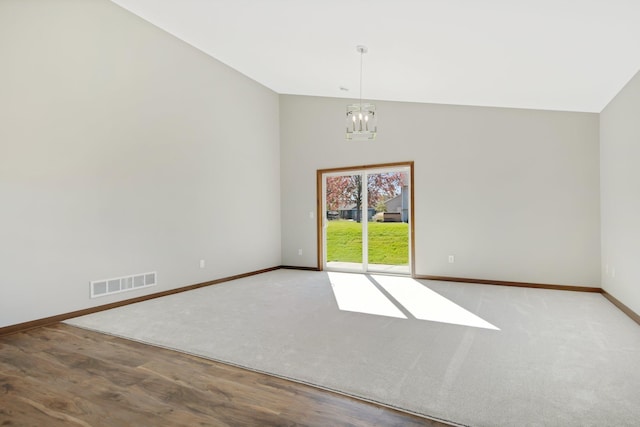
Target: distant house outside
[350, 212]
[397, 204]
[400, 203]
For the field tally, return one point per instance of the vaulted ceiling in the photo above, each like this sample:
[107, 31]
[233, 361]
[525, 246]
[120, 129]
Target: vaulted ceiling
[570, 55]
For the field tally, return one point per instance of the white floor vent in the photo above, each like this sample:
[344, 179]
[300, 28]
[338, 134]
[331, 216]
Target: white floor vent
[100, 288]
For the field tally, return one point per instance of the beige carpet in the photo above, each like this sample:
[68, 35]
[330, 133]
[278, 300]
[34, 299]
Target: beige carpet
[472, 355]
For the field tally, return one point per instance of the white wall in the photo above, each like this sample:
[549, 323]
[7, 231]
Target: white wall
[620, 186]
[124, 150]
[514, 194]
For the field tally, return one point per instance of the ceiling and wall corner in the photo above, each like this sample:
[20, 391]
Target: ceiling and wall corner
[537, 54]
[620, 205]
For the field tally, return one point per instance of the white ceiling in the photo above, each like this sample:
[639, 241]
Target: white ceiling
[571, 55]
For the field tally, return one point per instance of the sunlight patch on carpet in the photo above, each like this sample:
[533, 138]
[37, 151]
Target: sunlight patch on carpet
[356, 293]
[362, 293]
[425, 304]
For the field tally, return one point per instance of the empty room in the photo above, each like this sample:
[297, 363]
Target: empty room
[245, 212]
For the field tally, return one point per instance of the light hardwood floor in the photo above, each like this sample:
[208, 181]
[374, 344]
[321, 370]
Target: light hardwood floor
[62, 375]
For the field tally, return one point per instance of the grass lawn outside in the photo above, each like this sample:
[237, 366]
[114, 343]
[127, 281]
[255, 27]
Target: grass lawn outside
[388, 242]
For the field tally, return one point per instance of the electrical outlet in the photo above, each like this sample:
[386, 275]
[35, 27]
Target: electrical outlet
[202, 263]
[613, 272]
[452, 259]
[299, 251]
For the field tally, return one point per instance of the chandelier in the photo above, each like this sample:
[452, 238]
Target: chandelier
[361, 120]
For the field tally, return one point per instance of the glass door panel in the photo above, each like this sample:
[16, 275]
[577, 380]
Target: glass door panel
[343, 222]
[388, 227]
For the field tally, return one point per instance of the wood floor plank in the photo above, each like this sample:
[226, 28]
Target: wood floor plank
[62, 375]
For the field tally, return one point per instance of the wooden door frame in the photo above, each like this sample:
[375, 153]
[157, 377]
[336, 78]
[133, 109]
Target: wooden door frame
[320, 215]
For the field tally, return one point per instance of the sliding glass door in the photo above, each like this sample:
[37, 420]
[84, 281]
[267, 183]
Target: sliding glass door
[366, 220]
